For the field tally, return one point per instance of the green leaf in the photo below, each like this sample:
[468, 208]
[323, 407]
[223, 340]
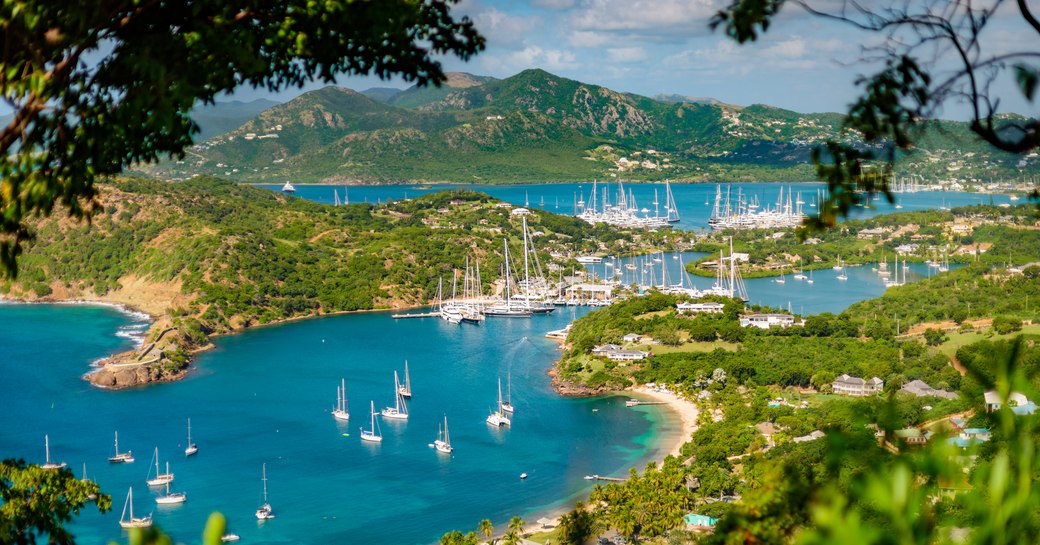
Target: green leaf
[1027, 78]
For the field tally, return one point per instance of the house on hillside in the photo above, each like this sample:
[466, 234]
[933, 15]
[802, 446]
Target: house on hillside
[765, 321]
[921, 388]
[855, 386]
[699, 308]
[1018, 402]
[626, 355]
[632, 337]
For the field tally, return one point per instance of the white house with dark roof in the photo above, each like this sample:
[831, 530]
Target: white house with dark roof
[855, 386]
[631, 337]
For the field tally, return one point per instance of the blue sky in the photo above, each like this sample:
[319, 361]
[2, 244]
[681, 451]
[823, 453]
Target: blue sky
[665, 46]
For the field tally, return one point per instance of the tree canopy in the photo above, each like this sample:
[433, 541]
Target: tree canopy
[933, 54]
[98, 87]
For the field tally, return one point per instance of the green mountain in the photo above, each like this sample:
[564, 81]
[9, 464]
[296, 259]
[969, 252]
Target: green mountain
[536, 126]
[221, 117]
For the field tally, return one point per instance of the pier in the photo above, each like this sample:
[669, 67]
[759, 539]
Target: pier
[636, 403]
[416, 315]
[599, 478]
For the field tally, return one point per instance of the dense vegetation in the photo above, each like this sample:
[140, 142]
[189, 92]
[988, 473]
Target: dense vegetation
[240, 255]
[537, 126]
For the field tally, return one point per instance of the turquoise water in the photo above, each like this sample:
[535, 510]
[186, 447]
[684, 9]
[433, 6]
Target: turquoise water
[825, 294]
[264, 396]
[694, 201]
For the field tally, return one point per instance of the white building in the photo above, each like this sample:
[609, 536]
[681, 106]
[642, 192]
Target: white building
[766, 321]
[627, 355]
[855, 386]
[699, 308]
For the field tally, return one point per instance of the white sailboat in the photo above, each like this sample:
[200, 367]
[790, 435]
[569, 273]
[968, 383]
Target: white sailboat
[171, 498]
[406, 389]
[810, 280]
[160, 478]
[669, 204]
[372, 434]
[265, 512]
[839, 266]
[132, 521]
[506, 308]
[340, 412]
[507, 405]
[400, 410]
[48, 464]
[449, 313]
[443, 442]
[192, 448]
[121, 457]
[780, 280]
[86, 480]
[498, 417]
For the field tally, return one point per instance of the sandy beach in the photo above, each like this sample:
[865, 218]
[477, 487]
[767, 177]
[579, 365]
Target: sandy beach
[683, 407]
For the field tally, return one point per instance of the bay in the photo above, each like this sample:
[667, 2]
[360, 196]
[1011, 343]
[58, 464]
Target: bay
[694, 201]
[265, 395]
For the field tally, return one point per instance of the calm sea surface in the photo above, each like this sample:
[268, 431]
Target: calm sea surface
[265, 395]
[693, 201]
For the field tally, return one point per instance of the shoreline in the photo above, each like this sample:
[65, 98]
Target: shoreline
[669, 442]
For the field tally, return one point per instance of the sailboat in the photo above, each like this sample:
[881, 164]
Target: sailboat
[669, 204]
[48, 464]
[265, 512]
[192, 448]
[372, 434]
[400, 410]
[160, 478]
[121, 457]
[449, 312]
[406, 389]
[443, 442]
[87, 481]
[800, 275]
[132, 521]
[340, 412]
[839, 266]
[780, 280]
[507, 405]
[505, 308]
[171, 498]
[810, 280]
[498, 418]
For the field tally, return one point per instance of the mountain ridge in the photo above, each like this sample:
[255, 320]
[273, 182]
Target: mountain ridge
[536, 126]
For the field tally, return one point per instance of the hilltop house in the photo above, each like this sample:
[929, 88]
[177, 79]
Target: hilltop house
[855, 386]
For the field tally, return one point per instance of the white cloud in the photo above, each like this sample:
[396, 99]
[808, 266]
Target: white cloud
[511, 62]
[626, 54]
[584, 38]
[554, 4]
[502, 28]
[648, 16]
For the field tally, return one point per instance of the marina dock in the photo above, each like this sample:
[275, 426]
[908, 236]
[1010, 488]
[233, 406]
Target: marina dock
[416, 315]
[636, 402]
[599, 478]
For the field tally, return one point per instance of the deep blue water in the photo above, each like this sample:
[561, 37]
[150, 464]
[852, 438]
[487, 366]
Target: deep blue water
[694, 201]
[265, 395]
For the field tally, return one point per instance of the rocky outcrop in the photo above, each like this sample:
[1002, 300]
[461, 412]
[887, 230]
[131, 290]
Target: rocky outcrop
[119, 376]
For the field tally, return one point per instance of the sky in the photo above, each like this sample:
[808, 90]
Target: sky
[651, 47]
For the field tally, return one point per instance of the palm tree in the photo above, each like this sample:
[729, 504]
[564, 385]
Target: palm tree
[486, 529]
[516, 526]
